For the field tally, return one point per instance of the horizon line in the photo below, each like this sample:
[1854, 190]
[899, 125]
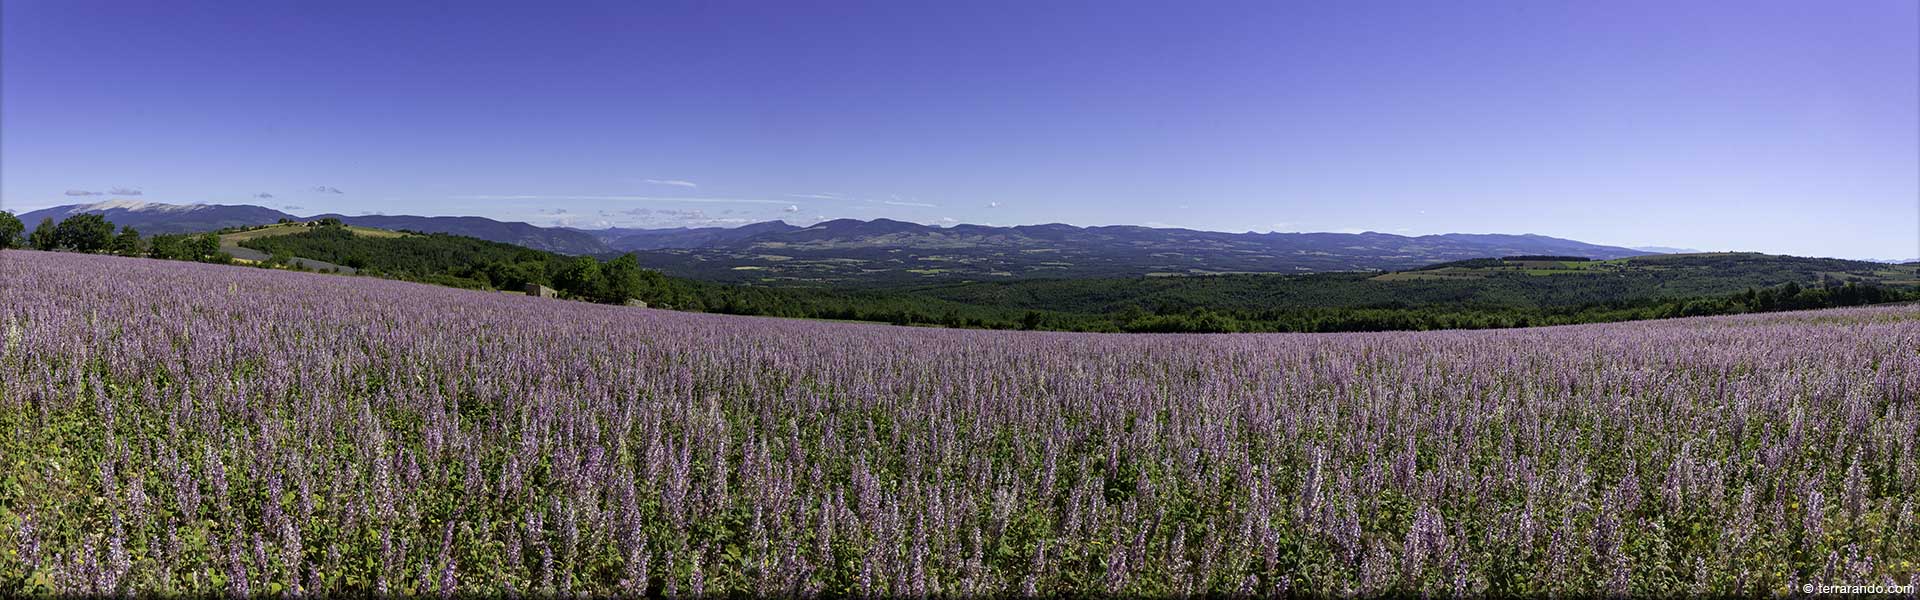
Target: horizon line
[935, 225]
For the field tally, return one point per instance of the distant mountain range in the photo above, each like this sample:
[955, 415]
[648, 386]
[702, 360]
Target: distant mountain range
[622, 239]
[153, 217]
[888, 251]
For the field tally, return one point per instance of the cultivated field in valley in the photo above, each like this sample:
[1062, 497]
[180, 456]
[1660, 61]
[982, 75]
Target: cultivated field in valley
[170, 426]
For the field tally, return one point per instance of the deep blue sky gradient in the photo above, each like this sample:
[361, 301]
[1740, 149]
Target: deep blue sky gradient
[1757, 125]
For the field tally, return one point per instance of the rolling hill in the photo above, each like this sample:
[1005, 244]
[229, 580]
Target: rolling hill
[627, 240]
[154, 217]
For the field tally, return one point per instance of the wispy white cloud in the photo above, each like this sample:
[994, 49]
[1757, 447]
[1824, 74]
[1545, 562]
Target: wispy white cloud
[83, 193]
[327, 189]
[263, 195]
[620, 198]
[792, 208]
[673, 182]
[121, 191]
[901, 203]
[993, 205]
[640, 217]
[820, 196]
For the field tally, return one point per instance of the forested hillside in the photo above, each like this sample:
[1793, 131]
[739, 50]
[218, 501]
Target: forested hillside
[1513, 292]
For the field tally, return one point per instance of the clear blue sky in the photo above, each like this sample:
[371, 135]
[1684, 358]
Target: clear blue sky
[1755, 125]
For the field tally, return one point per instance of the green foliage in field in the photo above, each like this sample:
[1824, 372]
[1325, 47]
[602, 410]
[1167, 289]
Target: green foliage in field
[197, 248]
[84, 233]
[42, 236]
[10, 228]
[128, 243]
[80, 233]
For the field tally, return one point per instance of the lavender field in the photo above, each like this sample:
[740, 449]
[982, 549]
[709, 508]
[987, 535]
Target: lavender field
[176, 427]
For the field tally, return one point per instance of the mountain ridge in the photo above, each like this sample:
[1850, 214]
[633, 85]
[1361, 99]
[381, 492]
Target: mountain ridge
[853, 251]
[885, 251]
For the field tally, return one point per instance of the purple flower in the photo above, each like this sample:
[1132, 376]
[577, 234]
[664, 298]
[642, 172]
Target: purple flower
[588, 450]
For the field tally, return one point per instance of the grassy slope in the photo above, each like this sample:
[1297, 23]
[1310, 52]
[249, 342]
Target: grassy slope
[234, 243]
[389, 251]
[293, 228]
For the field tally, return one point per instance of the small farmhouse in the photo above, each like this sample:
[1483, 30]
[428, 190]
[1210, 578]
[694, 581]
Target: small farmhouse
[535, 289]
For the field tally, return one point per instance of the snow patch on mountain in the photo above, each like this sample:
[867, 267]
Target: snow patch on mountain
[137, 206]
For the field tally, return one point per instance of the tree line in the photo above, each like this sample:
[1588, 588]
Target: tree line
[92, 233]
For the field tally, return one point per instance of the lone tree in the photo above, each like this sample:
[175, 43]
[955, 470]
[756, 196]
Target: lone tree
[206, 248]
[128, 242]
[84, 233]
[623, 278]
[42, 236]
[10, 228]
[581, 278]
